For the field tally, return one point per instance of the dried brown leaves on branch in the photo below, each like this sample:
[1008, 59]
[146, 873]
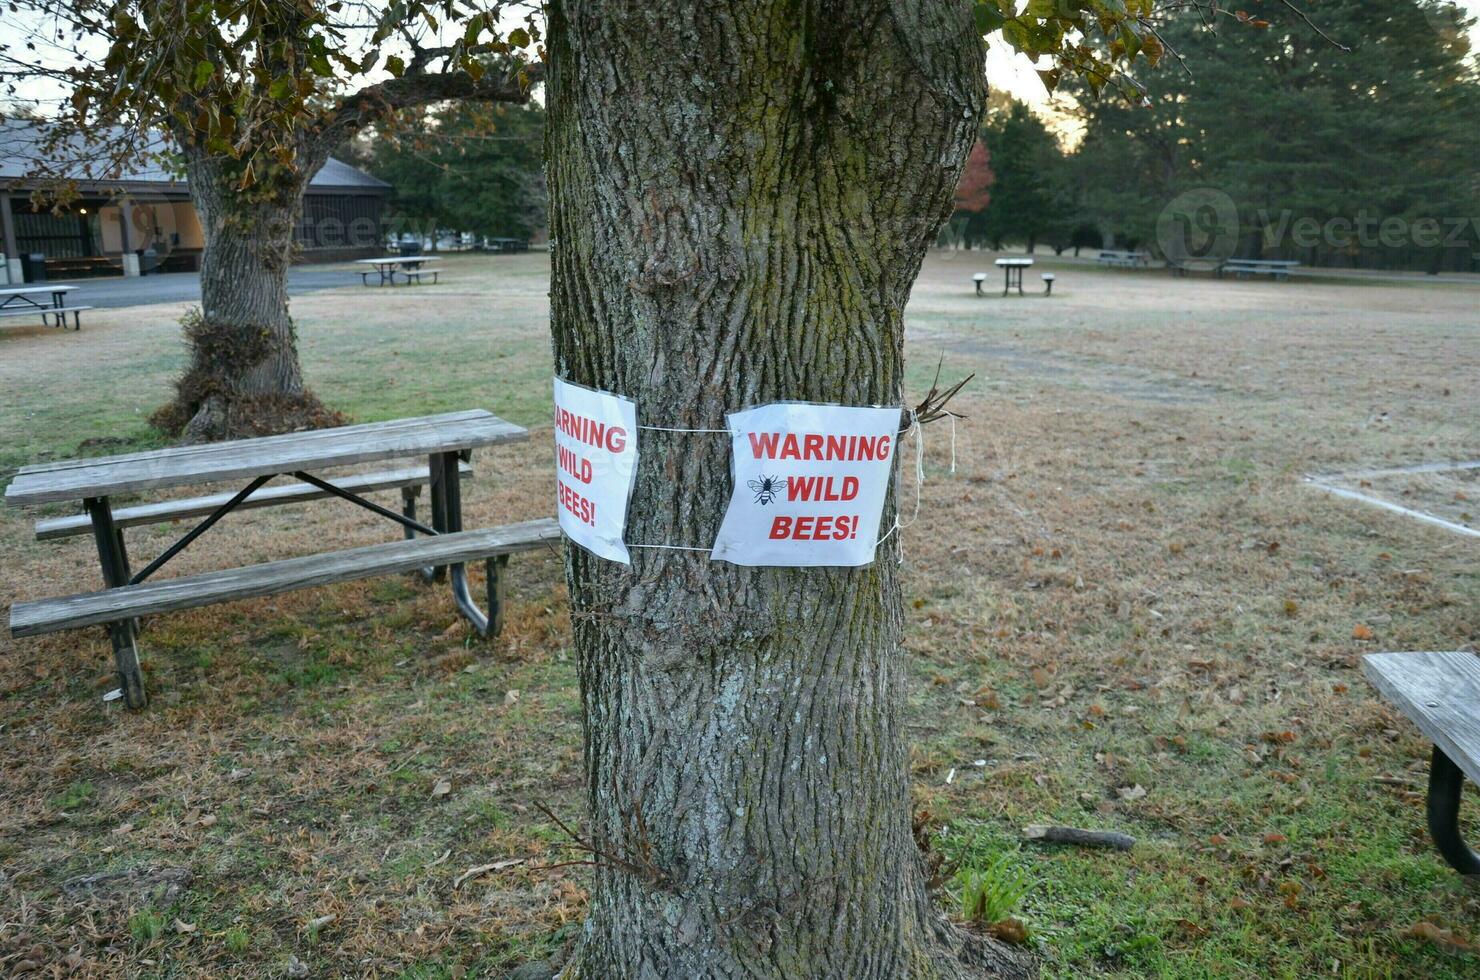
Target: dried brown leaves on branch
[933, 406]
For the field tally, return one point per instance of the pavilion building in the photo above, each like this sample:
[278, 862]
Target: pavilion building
[141, 221]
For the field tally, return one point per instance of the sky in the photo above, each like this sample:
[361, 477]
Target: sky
[1006, 71]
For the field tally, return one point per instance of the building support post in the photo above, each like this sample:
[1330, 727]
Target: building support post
[14, 273]
[125, 224]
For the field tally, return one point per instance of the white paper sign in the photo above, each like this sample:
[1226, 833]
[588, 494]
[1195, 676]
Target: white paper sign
[595, 464]
[810, 482]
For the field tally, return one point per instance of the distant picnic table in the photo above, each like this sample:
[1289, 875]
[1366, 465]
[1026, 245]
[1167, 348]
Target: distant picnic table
[1123, 259]
[445, 441]
[1243, 268]
[45, 301]
[1012, 273]
[411, 267]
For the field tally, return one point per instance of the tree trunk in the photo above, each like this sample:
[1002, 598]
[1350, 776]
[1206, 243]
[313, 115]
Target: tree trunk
[244, 378]
[742, 192]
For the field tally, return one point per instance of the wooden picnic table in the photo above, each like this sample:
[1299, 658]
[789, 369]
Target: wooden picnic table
[445, 440]
[1012, 273]
[388, 265]
[45, 301]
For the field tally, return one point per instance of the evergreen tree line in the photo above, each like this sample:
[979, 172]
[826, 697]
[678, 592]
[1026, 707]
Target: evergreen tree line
[1272, 143]
[462, 167]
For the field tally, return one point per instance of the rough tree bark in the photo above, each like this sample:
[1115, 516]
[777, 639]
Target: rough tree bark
[742, 192]
[243, 378]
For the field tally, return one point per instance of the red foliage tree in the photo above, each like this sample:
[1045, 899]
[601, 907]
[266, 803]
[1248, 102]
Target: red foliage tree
[975, 189]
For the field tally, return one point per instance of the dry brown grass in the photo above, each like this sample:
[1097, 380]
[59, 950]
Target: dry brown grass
[1124, 583]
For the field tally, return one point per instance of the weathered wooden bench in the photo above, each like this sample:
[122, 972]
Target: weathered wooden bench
[1243, 268]
[107, 606]
[1440, 693]
[439, 551]
[48, 313]
[1123, 259]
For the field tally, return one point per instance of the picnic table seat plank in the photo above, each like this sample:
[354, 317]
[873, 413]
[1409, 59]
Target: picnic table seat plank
[246, 458]
[39, 310]
[253, 581]
[164, 511]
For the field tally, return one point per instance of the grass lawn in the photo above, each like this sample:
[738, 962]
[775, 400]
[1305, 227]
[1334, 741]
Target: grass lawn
[1126, 612]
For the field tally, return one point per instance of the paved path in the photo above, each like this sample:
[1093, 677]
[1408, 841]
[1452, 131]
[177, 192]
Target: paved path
[184, 287]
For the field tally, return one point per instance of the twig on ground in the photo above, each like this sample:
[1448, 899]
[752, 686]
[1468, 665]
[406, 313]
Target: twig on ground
[484, 869]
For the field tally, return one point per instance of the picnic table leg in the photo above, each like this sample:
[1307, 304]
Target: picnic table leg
[485, 625]
[408, 509]
[437, 489]
[496, 567]
[114, 562]
[1446, 788]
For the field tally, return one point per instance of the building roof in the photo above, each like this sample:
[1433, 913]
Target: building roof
[22, 158]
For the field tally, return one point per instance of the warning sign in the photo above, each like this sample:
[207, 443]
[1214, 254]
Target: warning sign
[810, 482]
[595, 463]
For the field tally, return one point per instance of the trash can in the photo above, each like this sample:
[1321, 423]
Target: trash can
[410, 248]
[33, 266]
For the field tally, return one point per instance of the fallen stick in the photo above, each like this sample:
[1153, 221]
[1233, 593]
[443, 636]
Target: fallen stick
[484, 869]
[1081, 838]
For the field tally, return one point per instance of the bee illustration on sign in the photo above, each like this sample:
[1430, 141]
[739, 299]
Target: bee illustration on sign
[766, 488]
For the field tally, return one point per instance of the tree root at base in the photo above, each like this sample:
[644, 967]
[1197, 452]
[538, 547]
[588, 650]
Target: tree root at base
[222, 416]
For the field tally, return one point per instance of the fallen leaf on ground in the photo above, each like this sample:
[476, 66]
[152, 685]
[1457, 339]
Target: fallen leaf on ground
[1009, 931]
[442, 788]
[1128, 793]
[1438, 936]
[1361, 632]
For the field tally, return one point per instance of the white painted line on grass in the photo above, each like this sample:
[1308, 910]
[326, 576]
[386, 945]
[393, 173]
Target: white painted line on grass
[1318, 483]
